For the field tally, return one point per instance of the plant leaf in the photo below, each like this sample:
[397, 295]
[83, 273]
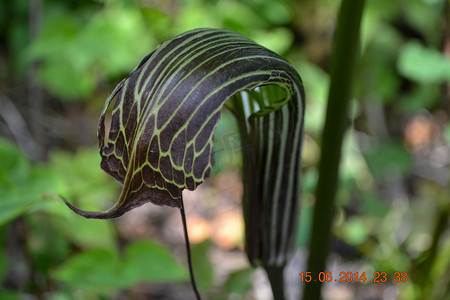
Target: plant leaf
[203, 271]
[162, 267]
[423, 64]
[105, 270]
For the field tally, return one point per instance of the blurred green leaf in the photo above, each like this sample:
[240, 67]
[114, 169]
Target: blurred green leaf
[305, 221]
[22, 186]
[373, 206]
[276, 12]
[82, 232]
[388, 158]
[227, 145]
[159, 20]
[356, 231]
[95, 270]
[422, 64]
[239, 281]
[376, 80]
[447, 133]
[148, 261]
[25, 187]
[75, 54]
[14, 166]
[115, 40]
[15, 37]
[197, 15]
[237, 285]
[81, 178]
[425, 96]
[59, 296]
[104, 271]
[278, 39]
[4, 295]
[425, 17]
[55, 36]
[354, 170]
[62, 78]
[49, 247]
[238, 15]
[316, 83]
[203, 268]
[12, 206]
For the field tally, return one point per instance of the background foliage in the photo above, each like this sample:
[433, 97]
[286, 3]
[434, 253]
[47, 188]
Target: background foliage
[60, 59]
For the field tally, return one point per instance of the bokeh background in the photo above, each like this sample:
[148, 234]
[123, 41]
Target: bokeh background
[59, 60]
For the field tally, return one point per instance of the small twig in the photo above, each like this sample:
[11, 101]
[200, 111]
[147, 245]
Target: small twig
[188, 250]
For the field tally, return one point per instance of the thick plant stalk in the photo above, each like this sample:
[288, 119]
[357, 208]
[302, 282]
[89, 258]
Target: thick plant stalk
[345, 53]
[276, 279]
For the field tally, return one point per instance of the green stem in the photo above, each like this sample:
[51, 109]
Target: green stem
[344, 56]
[276, 279]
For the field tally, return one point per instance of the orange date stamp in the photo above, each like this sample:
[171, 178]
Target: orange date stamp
[377, 277]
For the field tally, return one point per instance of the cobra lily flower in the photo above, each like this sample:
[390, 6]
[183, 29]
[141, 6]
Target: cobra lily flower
[162, 130]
